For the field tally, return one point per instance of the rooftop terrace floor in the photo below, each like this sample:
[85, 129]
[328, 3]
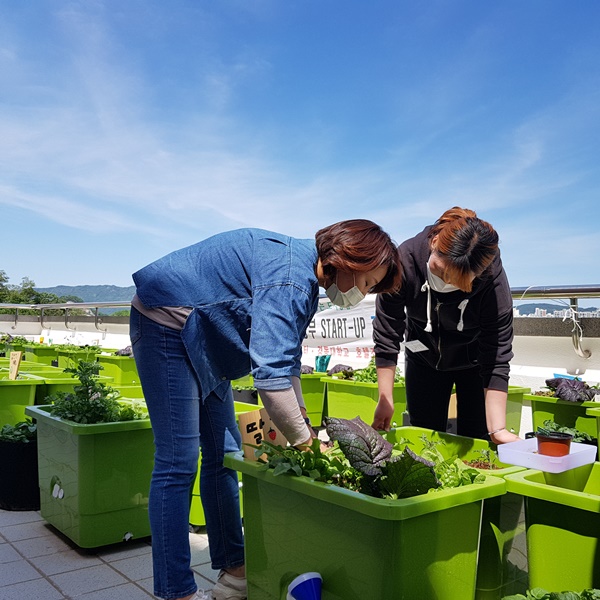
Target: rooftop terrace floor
[38, 562]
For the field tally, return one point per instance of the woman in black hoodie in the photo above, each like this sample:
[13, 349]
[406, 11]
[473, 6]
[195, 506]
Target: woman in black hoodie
[454, 312]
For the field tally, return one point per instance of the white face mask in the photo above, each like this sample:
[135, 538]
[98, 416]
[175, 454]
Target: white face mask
[344, 299]
[438, 284]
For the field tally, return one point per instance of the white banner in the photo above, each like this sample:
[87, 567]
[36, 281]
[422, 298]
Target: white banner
[344, 333]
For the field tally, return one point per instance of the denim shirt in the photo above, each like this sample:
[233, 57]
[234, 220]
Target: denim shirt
[253, 293]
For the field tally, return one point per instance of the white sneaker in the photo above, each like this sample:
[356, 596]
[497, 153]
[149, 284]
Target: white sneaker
[229, 587]
[202, 595]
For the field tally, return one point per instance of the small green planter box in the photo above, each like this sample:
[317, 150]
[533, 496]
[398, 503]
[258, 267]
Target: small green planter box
[15, 396]
[313, 392]
[94, 479]
[567, 414]
[422, 548]
[501, 514]
[197, 517]
[122, 369]
[40, 353]
[347, 399]
[562, 514]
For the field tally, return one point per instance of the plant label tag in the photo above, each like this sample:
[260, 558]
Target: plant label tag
[415, 346]
[256, 426]
[15, 363]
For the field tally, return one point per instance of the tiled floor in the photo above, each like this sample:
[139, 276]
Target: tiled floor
[37, 562]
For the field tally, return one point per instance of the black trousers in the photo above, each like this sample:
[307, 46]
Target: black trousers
[428, 394]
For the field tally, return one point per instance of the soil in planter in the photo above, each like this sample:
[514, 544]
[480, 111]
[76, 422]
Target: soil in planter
[19, 488]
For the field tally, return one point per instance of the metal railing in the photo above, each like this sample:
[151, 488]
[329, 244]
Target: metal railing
[572, 293]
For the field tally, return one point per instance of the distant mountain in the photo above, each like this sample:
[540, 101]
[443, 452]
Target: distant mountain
[529, 309]
[94, 293]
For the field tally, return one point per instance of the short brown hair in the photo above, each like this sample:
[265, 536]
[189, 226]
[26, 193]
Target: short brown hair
[359, 245]
[468, 244]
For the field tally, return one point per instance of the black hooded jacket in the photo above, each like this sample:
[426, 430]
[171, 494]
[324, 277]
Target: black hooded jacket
[467, 329]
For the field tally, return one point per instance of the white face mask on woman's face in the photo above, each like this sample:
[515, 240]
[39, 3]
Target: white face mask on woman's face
[437, 284]
[344, 299]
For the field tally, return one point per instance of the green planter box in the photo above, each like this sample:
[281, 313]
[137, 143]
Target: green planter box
[128, 391]
[15, 396]
[567, 414]
[197, 517]
[70, 358]
[58, 381]
[94, 479]
[40, 353]
[514, 407]
[562, 514]
[347, 399]
[122, 369]
[422, 548]
[313, 391]
[594, 413]
[28, 366]
[500, 523]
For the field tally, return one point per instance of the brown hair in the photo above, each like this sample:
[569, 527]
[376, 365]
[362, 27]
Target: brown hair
[359, 245]
[468, 244]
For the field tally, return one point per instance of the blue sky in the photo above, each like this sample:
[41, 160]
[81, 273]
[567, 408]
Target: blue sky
[130, 128]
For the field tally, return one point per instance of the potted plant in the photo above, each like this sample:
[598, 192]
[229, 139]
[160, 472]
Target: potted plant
[391, 544]
[553, 443]
[95, 459]
[564, 401]
[351, 393]
[19, 467]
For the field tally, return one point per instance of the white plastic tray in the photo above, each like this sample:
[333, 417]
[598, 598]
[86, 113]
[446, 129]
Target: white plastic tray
[524, 454]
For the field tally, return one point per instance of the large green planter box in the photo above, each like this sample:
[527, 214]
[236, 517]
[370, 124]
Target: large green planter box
[59, 381]
[122, 369]
[347, 399]
[40, 353]
[313, 392]
[567, 414]
[15, 396]
[422, 548]
[94, 479]
[197, 517]
[562, 515]
[500, 523]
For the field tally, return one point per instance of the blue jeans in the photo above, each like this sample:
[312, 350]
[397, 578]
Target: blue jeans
[182, 425]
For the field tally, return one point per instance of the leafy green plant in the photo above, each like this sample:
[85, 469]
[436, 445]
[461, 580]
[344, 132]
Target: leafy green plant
[91, 401]
[366, 375]
[22, 432]
[571, 390]
[578, 436]
[362, 460]
[541, 594]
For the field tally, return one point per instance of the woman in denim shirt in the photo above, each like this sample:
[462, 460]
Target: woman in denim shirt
[236, 303]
